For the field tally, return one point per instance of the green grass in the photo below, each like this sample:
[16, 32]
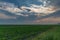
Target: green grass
[29, 32]
[52, 34]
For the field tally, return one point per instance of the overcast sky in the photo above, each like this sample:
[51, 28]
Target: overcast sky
[29, 11]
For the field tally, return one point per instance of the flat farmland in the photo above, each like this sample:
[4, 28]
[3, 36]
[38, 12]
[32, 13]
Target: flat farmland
[29, 32]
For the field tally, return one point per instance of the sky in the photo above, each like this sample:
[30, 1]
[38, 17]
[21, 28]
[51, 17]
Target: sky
[29, 11]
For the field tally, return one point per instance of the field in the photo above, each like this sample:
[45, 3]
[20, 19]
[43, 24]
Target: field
[29, 32]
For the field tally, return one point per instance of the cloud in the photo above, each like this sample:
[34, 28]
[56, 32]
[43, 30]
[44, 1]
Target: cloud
[47, 7]
[48, 20]
[52, 18]
[55, 3]
[11, 8]
[39, 10]
[24, 12]
[3, 16]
